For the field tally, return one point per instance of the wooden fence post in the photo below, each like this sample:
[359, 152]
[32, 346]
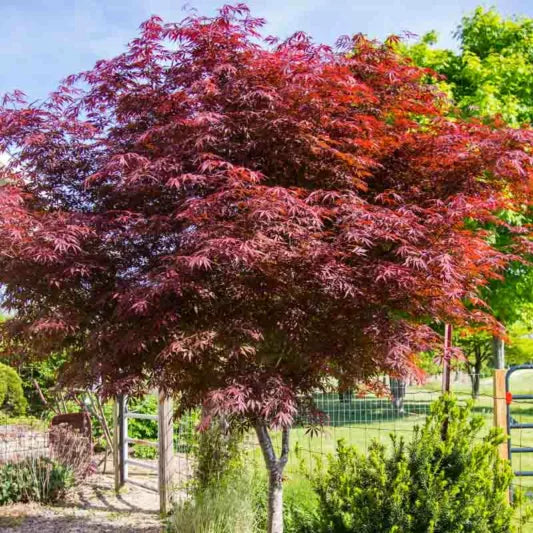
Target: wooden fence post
[166, 452]
[123, 442]
[500, 413]
[116, 444]
[500, 408]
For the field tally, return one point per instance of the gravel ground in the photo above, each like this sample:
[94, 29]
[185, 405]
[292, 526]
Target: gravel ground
[92, 508]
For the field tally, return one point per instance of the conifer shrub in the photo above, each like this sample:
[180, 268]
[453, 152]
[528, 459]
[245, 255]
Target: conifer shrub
[12, 398]
[449, 478]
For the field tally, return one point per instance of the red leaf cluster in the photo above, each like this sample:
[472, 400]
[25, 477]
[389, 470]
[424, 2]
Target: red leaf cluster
[241, 220]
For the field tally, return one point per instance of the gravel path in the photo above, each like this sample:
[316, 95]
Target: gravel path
[93, 508]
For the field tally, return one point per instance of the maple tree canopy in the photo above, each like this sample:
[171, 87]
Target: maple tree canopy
[240, 219]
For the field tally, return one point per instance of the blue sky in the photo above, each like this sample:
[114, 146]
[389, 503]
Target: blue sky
[42, 41]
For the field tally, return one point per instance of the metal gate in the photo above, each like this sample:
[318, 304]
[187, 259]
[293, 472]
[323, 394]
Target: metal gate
[513, 424]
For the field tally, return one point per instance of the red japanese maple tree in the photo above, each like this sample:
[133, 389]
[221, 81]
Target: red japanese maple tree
[240, 220]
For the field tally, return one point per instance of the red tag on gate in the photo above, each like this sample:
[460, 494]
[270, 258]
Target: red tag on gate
[508, 398]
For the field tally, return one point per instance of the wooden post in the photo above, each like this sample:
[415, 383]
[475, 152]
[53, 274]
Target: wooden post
[123, 436]
[500, 408]
[166, 452]
[116, 444]
[446, 370]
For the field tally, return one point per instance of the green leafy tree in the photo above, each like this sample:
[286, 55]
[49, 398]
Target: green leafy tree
[492, 73]
[39, 382]
[477, 352]
[520, 349]
[490, 77]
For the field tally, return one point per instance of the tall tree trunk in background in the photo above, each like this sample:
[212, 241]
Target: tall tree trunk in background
[475, 385]
[498, 351]
[398, 388]
[275, 468]
[475, 371]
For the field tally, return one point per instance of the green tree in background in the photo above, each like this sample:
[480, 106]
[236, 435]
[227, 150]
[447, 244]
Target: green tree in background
[492, 73]
[476, 347]
[491, 77]
[520, 349]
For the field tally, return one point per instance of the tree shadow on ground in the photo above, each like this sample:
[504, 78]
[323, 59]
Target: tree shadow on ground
[57, 524]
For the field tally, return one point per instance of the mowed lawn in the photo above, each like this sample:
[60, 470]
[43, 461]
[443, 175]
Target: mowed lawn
[359, 421]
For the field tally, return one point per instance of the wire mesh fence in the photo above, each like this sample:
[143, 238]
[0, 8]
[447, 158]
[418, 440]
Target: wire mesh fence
[359, 421]
[356, 420]
[22, 438]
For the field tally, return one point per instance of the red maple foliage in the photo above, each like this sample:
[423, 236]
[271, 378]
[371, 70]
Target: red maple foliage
[240, 219]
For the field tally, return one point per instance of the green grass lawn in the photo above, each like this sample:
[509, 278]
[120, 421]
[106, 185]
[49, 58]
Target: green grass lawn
[361, 420]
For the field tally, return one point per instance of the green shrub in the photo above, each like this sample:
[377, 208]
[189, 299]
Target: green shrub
[455, 484]
[12, 398]
[222, 499]
[34, 480]
[139, 428]
[144, 452]
[219, 455]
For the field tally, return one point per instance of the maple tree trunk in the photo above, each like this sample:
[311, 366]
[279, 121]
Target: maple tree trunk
[275, 468]
[275, 501]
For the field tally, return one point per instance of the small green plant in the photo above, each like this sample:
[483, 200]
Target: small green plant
[219, 455]
[12, 398]
[144, 452]
[448, 479]
[34, 480]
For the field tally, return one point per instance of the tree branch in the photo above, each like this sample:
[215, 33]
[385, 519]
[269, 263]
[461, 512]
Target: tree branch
[284, 447]
[266, 444]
